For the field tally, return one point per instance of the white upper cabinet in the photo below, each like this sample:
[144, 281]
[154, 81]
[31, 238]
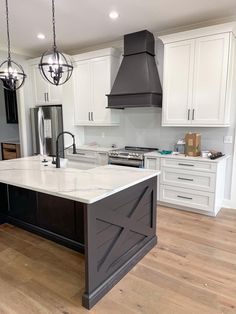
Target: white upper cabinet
[82, 88]
[44, 92]
[93, 79]
[178, 78]
[210, 79]
[198, 77]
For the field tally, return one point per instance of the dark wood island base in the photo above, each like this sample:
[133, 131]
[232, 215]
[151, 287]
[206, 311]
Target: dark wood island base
[114, 233]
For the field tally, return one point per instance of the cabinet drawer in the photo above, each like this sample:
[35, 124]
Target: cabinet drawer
[189, 164]
[9, 146]
[9, 154]
[152, 163]
[189, 198]
[203, 181]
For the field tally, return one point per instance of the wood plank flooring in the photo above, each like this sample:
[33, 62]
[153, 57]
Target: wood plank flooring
[192, 270]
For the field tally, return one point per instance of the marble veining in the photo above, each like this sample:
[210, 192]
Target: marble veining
[87, 186]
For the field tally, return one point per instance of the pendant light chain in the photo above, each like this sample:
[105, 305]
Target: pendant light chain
[8, 32]
[54, 66]
[54, 24]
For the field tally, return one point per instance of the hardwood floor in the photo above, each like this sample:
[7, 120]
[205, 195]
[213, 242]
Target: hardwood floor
[192, 270]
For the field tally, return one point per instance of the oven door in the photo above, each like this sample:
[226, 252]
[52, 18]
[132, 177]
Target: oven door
[126, 162]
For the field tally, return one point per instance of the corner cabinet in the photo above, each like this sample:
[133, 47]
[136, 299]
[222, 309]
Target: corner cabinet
[44, 93]
[198, 77]
[93, 79]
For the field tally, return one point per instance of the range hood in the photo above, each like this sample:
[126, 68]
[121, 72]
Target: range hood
[137, 83]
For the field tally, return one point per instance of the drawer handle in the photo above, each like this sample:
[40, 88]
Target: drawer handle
[185, 179]
[188, 165]
[83, 154]
[185, 197]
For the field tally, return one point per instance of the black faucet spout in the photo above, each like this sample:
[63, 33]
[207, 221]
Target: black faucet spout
[58, 165]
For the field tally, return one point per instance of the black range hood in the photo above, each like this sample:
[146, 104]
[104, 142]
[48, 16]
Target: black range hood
[137, 83]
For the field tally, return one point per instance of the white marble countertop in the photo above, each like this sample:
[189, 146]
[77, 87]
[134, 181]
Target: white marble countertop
[183, 157]
[87, 186]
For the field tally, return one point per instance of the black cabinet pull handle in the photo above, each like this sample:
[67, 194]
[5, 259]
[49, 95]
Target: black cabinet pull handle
[188, 165]
[188, 114]
[185, 179]
[185, 197]
[193, 115]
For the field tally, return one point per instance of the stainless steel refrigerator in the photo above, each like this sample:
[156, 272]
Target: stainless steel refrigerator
[47, 123]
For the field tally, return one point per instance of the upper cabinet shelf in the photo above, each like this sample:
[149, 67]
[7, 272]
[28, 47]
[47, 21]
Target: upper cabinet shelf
[199, 71]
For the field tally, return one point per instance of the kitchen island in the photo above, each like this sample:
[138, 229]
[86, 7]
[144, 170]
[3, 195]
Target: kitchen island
[108, 213]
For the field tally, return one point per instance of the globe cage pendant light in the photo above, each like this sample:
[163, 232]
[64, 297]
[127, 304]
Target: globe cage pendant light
[54, 66]
[11, 73]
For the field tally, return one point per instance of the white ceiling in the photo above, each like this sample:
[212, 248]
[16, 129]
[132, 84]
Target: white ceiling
[84, 23]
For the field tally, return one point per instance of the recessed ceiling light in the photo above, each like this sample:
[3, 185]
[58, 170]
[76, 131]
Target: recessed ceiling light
[113, 15]
[41, 36]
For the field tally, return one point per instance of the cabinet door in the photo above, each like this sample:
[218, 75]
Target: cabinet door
[57, 215]
[152, 163]
[100, 77]
[178, 82]
[54, 94]
[40, 86]
[210, 79]
[3, 199]
[11, 106]
[102, 158]
[22, 204]
[83, 94]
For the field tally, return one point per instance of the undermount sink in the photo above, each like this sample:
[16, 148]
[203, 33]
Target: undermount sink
[65, 163]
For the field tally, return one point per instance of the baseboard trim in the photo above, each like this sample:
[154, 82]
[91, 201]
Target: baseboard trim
[229, 204]
[46, 234]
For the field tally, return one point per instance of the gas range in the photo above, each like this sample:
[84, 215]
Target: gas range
[129, 156]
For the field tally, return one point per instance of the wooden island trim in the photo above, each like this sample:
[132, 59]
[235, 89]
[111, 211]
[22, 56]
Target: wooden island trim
[118, 231]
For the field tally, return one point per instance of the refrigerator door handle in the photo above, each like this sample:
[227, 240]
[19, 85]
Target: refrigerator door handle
[40, 130]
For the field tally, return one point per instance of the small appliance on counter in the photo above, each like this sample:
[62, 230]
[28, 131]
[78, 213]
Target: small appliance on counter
[193, 144]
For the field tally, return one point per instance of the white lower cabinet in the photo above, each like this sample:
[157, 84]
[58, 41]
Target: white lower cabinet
[202, 181]
[186, 197]
[154, 163]
[191, 184]
[88, 156]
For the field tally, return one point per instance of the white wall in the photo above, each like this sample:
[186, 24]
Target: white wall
[142, 127]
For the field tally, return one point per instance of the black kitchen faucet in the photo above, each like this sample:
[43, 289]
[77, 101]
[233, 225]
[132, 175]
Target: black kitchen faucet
[57, 147]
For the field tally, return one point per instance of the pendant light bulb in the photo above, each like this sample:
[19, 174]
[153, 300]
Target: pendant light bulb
[54, 66]
[11, 73]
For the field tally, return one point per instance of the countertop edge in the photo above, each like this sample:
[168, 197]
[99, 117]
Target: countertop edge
[81, 200]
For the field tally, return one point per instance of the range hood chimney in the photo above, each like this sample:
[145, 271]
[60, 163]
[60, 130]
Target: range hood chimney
[137, 83]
